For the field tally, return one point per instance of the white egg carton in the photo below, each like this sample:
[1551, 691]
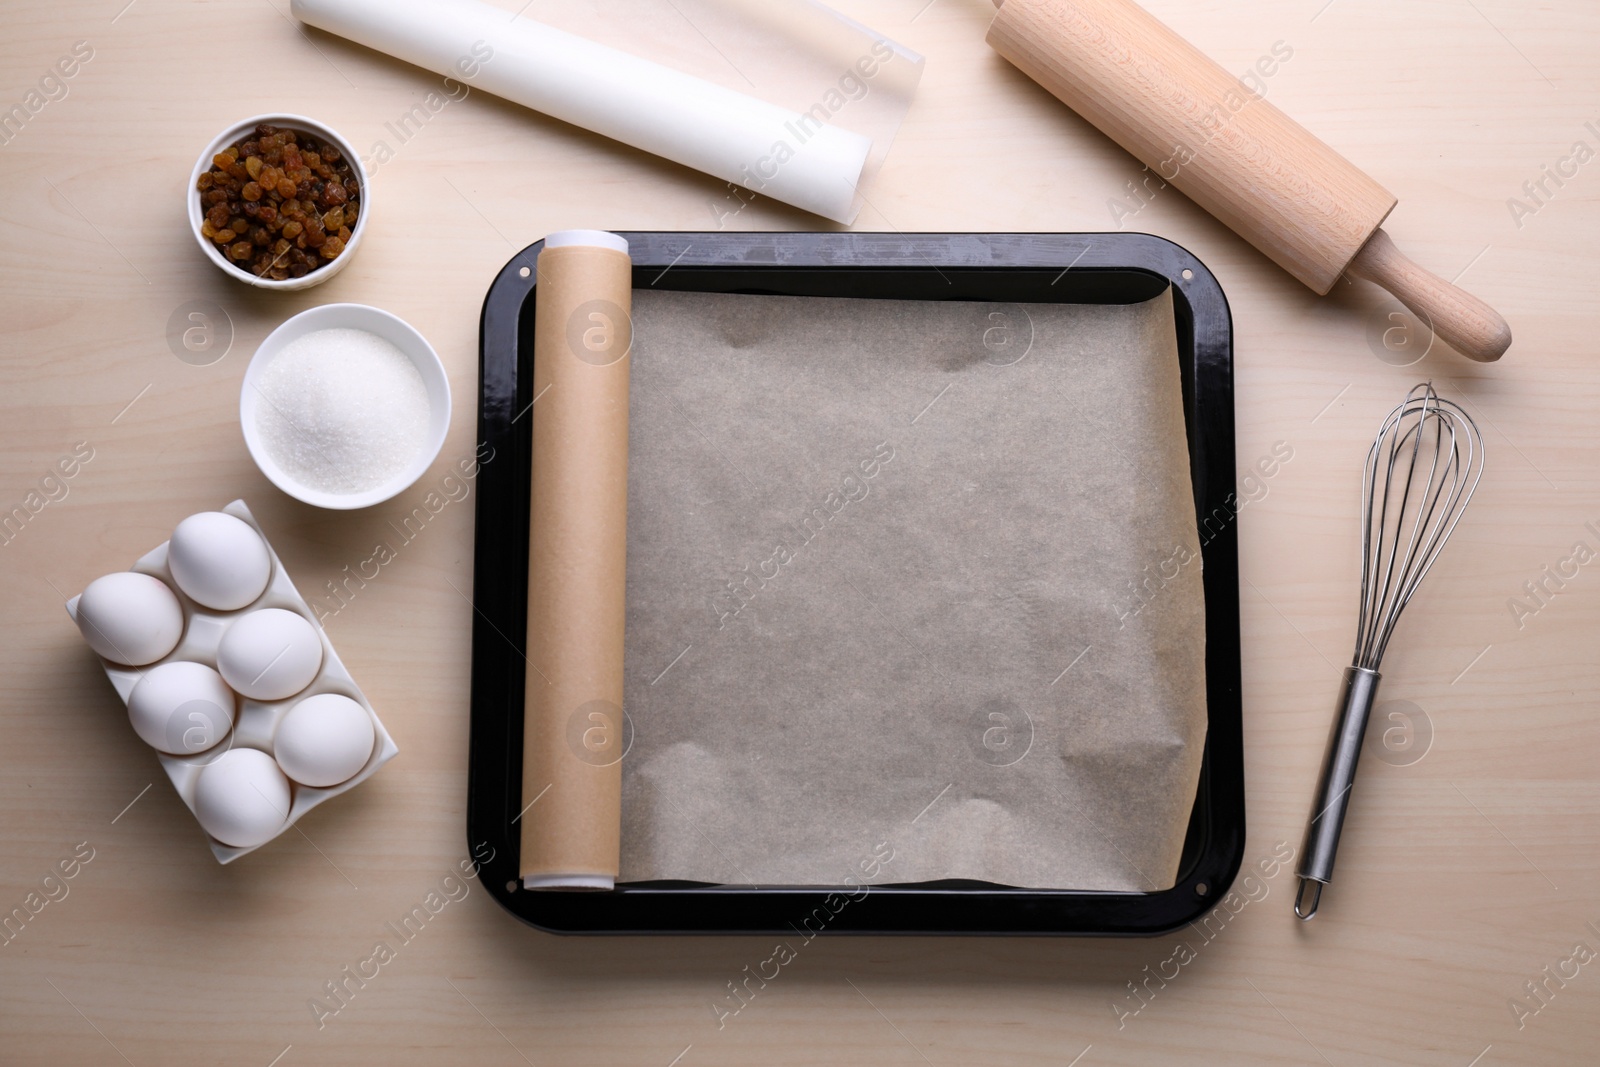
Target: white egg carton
[256, 721]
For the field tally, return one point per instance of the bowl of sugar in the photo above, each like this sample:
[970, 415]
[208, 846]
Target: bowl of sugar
[344, 406]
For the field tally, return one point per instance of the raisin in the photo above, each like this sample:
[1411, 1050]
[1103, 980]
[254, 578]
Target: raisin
[279, 203]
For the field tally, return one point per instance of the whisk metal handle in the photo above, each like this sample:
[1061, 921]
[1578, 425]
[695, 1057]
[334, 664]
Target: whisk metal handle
[1333, 787]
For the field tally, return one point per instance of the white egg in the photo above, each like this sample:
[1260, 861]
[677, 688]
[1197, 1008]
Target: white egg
[181, 708]
[242, 799]
[130, 618]
[219, 560]
[324, 740]
[269, 654]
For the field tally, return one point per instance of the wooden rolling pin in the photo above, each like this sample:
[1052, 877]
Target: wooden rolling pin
[1309, 209]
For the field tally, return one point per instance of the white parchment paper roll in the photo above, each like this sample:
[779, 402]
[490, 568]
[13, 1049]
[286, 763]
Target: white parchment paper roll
[729, 135]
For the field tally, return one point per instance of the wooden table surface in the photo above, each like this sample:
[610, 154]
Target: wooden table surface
[1469, 881]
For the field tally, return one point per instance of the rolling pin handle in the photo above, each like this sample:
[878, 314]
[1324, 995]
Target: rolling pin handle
[1464, 322]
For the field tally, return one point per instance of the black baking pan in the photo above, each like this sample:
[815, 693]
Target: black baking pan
[1095, 268]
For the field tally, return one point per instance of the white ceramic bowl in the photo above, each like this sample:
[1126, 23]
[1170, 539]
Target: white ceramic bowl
[299, 124]
[357, 317]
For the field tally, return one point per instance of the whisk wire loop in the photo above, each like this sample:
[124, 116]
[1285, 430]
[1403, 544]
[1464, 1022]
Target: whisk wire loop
[1422, 468]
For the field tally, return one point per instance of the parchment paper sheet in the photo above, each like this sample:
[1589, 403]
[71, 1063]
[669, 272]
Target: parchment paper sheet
[909, 572]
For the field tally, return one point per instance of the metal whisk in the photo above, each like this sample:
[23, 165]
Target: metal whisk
[1422, 470]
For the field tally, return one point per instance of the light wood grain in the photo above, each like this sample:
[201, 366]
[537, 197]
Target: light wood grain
[1460, 876]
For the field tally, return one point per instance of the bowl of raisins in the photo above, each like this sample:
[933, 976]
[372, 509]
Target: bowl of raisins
[279, 201]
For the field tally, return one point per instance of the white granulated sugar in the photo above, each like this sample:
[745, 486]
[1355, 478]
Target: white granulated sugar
[342, 411]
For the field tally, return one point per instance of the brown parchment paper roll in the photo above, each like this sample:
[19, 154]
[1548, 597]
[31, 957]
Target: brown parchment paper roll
[577, 563]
